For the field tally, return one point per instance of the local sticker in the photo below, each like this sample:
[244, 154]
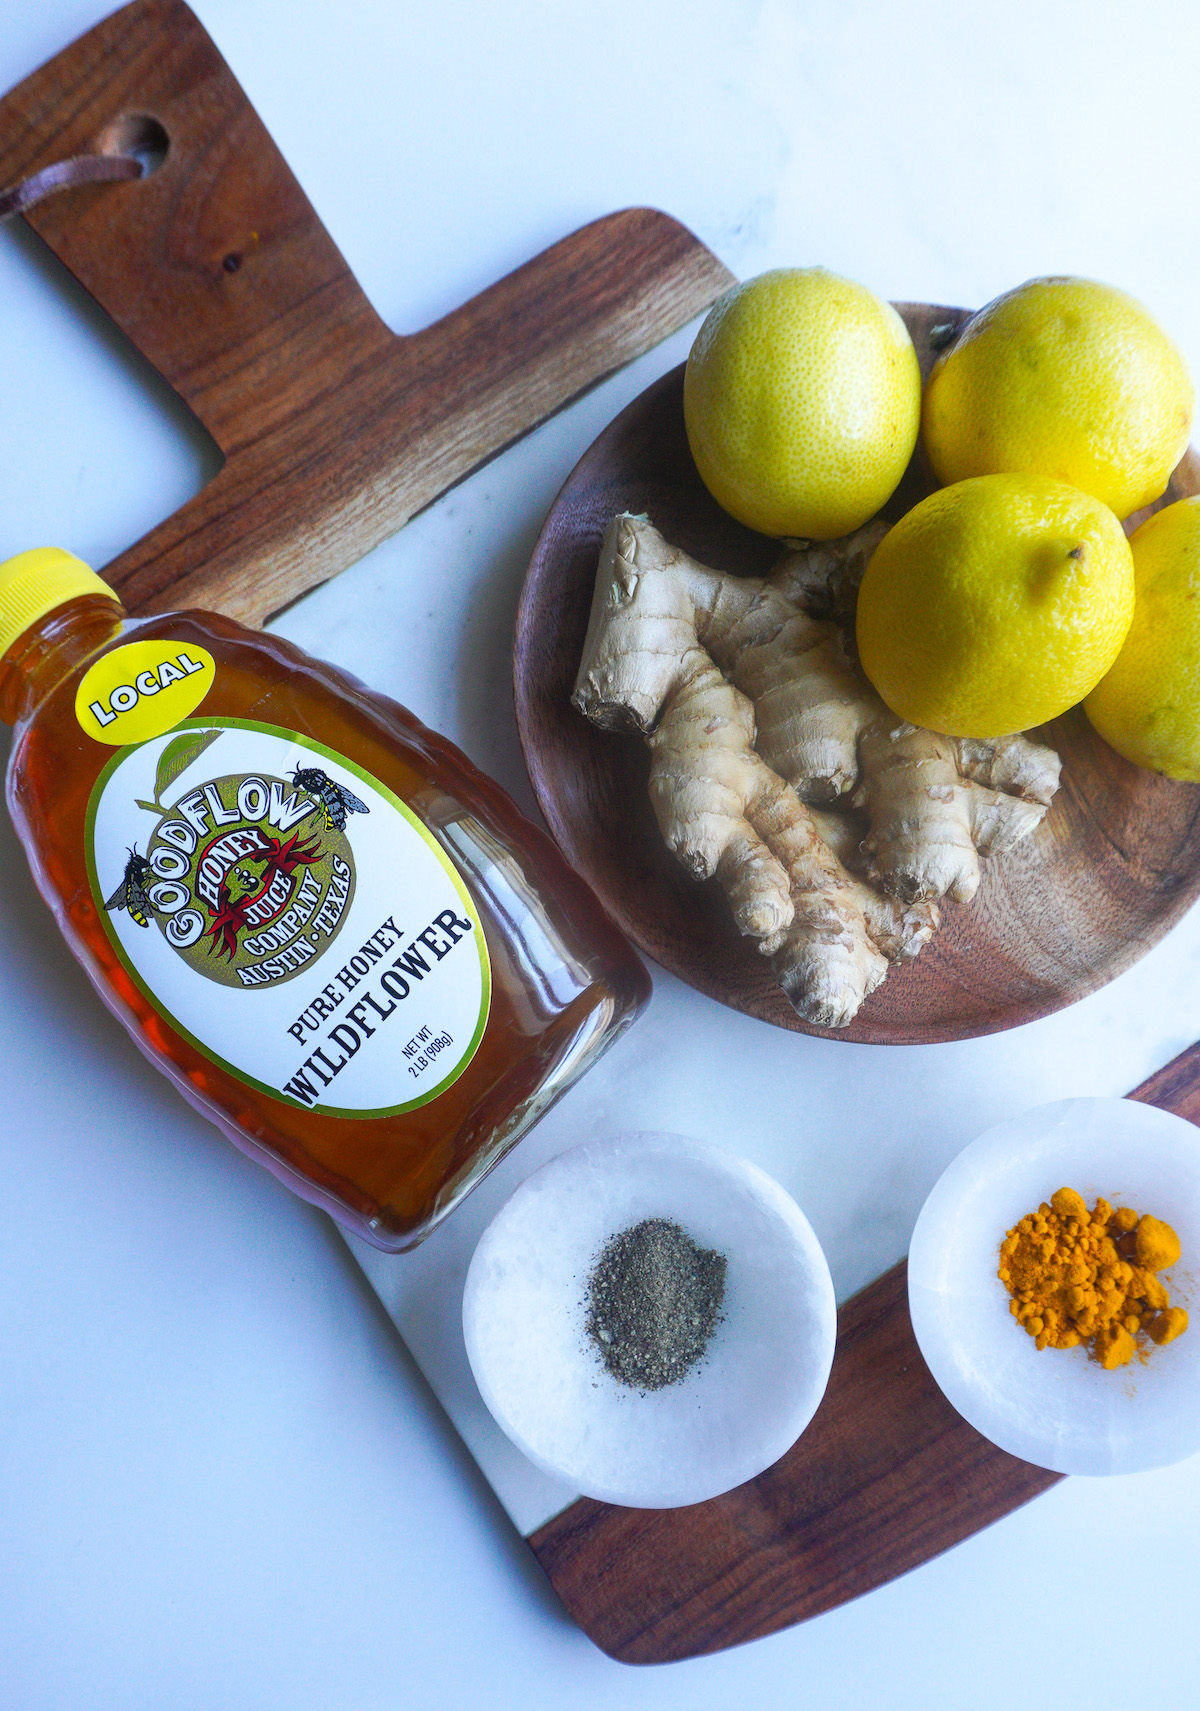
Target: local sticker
[142, 689]
[228, 860]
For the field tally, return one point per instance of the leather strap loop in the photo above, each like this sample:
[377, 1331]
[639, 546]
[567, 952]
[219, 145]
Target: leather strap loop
[68, 175]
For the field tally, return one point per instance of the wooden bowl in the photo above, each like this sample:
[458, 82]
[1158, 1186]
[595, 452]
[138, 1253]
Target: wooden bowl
[1113, 867]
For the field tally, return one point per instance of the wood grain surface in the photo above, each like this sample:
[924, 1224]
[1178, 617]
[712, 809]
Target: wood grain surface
[1113, 867]
[887, 1476]
[334, 429]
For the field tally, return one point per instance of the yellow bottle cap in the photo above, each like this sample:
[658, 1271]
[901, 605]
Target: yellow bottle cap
[34, 583]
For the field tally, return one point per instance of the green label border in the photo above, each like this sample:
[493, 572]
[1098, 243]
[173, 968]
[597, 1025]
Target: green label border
[418, 826]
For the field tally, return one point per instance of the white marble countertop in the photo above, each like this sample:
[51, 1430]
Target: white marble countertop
[223, 1480]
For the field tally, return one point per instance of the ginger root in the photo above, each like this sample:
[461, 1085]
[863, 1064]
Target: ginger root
[670, 645]
[721, 808]
[934, 804]
[723, 811]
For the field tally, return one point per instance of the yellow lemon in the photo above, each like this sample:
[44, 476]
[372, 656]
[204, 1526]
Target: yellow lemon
[1148, 706]
[1066, 378]
[802, 399]
[995, 605]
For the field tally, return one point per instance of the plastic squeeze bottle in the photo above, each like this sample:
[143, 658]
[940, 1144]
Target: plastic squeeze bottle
[340, 940]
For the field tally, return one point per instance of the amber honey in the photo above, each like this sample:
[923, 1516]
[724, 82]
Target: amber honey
[561, 981]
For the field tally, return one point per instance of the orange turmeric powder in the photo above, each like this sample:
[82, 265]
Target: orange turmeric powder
[1089, 1277]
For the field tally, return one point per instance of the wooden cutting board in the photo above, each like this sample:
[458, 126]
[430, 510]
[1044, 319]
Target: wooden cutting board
[334, 432]
[334, 429]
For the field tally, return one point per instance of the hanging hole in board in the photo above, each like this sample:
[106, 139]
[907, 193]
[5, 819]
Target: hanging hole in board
[138, 136]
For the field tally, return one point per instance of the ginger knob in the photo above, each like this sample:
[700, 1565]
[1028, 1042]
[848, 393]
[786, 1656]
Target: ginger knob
[1157, 1244]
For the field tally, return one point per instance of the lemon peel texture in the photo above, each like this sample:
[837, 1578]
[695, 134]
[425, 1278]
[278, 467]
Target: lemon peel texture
[1066, 378]
[1148, 706]
[802, 399]
[994, 605]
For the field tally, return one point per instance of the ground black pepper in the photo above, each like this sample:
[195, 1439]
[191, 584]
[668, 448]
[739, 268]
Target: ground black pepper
[654, 1300]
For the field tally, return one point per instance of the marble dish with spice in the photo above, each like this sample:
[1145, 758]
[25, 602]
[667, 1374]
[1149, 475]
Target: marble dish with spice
[1059, 1408]
[534, 1310]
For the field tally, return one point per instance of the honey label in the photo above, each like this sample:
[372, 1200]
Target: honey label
[142, 689]
[289, 915]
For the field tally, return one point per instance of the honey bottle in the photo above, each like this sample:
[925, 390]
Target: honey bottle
[342, 942]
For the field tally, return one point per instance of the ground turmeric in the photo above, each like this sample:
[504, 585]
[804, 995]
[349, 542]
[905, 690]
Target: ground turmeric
[1089, 1277]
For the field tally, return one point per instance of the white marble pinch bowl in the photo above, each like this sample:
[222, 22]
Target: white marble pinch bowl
[761, 1378]
[1056, 1407]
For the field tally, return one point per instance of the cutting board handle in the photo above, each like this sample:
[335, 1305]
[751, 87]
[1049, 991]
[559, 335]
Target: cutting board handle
[215, 264]
[334, 429]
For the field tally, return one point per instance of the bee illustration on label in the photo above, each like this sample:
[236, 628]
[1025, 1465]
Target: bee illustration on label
[131, 893]
[336, 800]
